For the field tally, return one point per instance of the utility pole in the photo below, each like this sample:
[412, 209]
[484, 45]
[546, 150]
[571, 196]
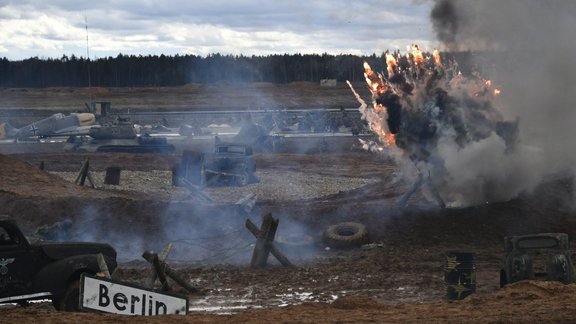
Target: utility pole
[88, 57]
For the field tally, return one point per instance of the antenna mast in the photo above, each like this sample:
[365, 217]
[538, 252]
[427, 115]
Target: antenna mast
[88, 57]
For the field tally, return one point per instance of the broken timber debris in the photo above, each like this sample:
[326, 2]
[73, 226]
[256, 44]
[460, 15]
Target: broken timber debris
[163, 269]
[246, 203]
[104, 272]
[155, 273]
[265, 242]
[85, 173]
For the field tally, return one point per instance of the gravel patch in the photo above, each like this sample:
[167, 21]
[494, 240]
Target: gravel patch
[271, 185]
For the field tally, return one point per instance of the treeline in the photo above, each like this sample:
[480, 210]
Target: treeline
[135, 71]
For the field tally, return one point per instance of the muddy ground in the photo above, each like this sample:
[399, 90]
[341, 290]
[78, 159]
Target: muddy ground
[396, 278]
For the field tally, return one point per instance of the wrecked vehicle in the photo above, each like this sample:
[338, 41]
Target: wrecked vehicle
[229, 164]
[544, 256]
[46, 270]
[118, 138]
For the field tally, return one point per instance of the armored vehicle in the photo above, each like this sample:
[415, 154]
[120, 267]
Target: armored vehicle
[118, 138]
[544, 256]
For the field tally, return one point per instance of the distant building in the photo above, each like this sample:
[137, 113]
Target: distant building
[328, 82]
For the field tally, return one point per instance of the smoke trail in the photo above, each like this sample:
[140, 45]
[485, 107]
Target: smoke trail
[445, 21]
[525, 47]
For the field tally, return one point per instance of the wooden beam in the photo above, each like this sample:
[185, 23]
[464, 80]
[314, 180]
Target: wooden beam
[273, 249]
[269, 245]
[160, 272]
[149, 256]
[262, 249]
[153, 273]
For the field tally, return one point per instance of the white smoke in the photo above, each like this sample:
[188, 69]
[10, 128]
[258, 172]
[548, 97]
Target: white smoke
[531, 56]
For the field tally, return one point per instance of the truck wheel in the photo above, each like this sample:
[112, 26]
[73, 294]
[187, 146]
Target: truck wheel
[70, 302]
[242, 179]
[345, 235]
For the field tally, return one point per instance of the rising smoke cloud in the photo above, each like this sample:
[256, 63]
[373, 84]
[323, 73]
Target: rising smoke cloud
[479, 148]
[526, 49]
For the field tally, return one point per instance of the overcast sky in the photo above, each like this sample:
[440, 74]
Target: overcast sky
[53, 28]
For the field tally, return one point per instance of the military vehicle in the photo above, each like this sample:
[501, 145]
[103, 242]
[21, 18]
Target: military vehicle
[544, 256]
[118, 138]
[230, 163]
[46, 270]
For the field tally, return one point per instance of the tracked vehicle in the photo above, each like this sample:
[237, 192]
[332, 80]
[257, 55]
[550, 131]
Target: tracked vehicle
[118, 138]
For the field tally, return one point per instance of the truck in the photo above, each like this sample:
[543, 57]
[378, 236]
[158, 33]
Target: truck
[543, 256]
[230, 164]
[46, 269]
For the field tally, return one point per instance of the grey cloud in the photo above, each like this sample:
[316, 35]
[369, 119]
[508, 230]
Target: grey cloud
[359, 26]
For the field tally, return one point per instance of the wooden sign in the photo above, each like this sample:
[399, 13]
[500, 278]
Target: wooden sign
[110, 296]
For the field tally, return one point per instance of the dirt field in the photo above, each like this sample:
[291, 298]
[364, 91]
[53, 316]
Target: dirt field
[398, 278]
[221, 96]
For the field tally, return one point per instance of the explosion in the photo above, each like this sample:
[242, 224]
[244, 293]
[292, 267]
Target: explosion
[420, 106]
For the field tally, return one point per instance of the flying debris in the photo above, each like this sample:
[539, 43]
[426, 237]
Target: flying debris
[422, 101]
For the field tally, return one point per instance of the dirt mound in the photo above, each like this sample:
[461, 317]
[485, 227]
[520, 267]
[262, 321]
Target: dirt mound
[35, 198]
[529, 290]
[23, 179]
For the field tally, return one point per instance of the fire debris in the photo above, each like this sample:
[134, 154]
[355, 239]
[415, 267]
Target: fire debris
[421, 105]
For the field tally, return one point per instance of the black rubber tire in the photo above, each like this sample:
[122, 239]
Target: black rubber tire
[70, 302]
[345, 235]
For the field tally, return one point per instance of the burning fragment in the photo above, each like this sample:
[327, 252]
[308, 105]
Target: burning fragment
[420, 103]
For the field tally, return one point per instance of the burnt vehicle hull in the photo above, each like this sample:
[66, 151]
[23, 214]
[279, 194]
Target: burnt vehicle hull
[543, 256]
[229, 164]
[227, 170]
